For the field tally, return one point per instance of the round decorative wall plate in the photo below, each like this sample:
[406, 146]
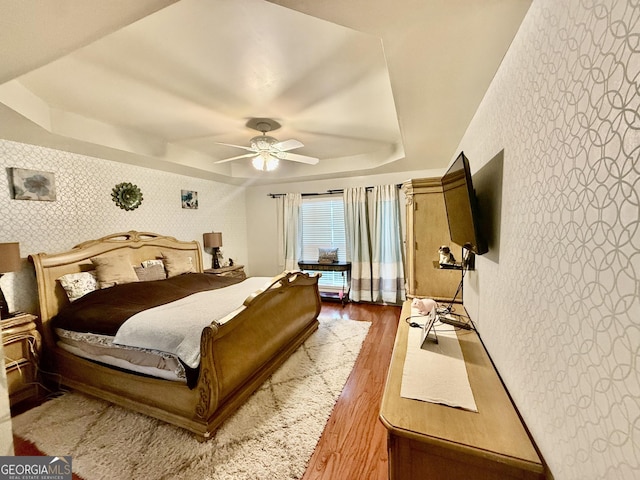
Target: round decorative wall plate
[127, 196]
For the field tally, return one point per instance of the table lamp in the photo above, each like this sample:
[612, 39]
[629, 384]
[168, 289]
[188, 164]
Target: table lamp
[9, 262]
[213, 240]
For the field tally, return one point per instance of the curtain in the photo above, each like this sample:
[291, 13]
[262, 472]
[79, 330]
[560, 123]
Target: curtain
[356, 224]
[289, 230]
[387, 263]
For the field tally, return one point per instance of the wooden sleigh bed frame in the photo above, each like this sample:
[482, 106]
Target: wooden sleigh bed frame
[236, 357]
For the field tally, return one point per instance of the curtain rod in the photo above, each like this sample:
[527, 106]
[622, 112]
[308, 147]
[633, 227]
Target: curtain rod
[328, 192]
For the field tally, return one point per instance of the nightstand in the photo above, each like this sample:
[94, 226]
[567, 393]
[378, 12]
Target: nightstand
[237, 271]
[21, 344]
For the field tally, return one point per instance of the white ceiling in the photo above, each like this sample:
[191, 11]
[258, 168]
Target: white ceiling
[368, 87]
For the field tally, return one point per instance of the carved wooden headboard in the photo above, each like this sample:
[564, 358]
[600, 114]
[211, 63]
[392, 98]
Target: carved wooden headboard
[140, 245]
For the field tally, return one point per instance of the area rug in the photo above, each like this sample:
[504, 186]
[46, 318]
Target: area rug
[272, 436]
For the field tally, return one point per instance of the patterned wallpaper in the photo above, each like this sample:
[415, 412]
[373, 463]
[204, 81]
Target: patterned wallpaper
[560, 312]
[84, 210]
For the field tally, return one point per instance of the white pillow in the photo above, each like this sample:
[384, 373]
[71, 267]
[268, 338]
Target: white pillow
[151, 263]
[79, 284]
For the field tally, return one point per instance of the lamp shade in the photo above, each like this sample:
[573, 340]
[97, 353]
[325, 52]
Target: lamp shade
[212, 240]
[9, 257]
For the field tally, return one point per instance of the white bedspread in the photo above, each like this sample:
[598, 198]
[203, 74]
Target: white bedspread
[177, 326]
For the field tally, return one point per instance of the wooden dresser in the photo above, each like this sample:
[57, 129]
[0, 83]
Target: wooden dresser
[428, 440]
[21, 344]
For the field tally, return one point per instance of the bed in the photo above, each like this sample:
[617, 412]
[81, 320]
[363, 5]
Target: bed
[236, 354]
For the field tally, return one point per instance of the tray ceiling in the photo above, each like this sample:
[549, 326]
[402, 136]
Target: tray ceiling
[368, 88]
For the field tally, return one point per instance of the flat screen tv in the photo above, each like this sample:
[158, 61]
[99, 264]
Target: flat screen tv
[462, 207]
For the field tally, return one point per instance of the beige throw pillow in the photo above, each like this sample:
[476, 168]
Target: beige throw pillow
[177, 263]
[114, 270]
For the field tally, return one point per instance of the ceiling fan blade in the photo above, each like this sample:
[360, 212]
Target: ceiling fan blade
[294, 157]
[236, 146]
[252, 154]
[287, 145]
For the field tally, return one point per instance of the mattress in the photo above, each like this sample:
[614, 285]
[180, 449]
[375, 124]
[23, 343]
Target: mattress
[100, 348]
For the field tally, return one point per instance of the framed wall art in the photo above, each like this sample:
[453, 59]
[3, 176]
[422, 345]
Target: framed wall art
[32, 185]
[189, 199]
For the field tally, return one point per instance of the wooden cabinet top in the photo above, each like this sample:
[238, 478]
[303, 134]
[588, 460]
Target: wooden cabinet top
[495, 432]
[18, 322]
[232, 268]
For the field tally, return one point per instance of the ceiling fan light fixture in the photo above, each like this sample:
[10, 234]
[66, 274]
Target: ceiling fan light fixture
[267, 151]
[262, 142]
[265, 162]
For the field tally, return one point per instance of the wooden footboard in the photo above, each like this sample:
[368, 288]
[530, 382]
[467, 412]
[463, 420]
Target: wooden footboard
[273, 325]
[236, 357]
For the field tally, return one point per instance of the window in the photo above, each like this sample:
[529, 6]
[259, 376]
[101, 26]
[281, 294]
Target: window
[323, 227]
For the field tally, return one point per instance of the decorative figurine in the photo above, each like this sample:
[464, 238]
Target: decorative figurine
[446, 257]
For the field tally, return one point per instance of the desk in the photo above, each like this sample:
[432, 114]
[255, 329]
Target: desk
[344, 267]
[428, 440]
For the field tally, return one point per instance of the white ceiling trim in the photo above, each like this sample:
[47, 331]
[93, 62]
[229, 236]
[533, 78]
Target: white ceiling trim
[374, 87]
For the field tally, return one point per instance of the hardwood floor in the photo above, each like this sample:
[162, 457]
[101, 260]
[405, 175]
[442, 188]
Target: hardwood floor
[353, 445]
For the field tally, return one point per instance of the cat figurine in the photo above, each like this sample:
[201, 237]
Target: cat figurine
[446, 257]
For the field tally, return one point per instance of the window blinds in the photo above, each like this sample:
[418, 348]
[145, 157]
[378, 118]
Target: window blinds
[323, 227]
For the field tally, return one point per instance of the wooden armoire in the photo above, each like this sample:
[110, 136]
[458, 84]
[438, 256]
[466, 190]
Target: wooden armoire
[427, 230]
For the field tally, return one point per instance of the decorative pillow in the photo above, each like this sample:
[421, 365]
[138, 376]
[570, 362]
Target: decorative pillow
[148, 263]
[177, 263]
[327, 255]
[150, 273]
[114, 269]
[79, 284]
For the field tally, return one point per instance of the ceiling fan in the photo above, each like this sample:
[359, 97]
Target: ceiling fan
[268, 151]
